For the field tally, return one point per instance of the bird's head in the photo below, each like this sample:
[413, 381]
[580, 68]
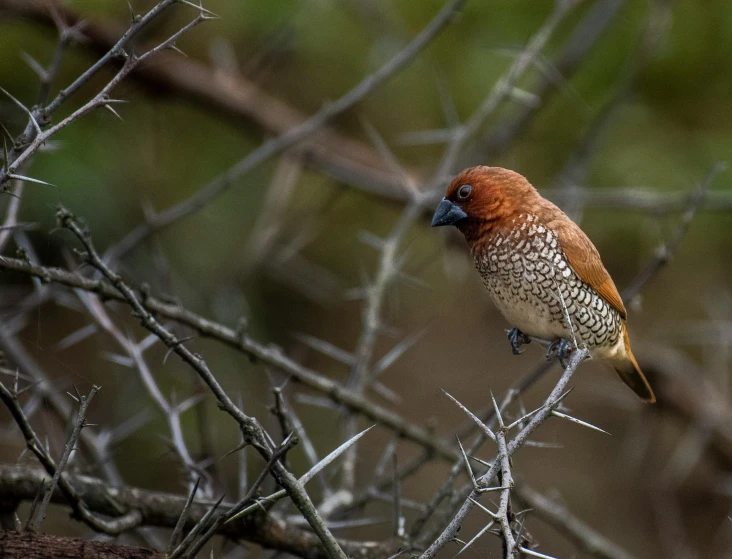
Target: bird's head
[479, 197]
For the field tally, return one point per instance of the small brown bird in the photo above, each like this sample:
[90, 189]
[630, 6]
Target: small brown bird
[542, 272]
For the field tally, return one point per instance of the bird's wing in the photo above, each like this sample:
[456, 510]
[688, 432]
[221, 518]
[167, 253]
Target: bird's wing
[585, 261]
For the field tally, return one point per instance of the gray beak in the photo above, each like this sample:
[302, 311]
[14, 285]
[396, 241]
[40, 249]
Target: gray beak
[447, 213]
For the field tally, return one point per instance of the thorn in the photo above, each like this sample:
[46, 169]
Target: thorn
[6, 132]
[535, 553]
[31, 386]
[147, 342]
[397, 351]
[523, 418]
[242, 446]
[467, 464]
[371, 240]
[172, 46]
[78, 336]
[524, 514]
[29, 179]
[577, 421]
[185, 405]
[563, 396]
[427, 137]
[29, 113]
[119, 359]
[492, 489]
[525, 97]
[200, 8]
[472, 416]
[332, 456]
[111, 110]
[539, 444]
[34, 65]
[175, 344]
[475, 538]
[22, 453]
[499, 418]
[178, 530]
[492, 514]
[386, 392]
[326, 348]
[355, 294]
[407, 184]
[483, 462]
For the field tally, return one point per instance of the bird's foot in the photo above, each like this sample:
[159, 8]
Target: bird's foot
[517, 339]
[559, 349]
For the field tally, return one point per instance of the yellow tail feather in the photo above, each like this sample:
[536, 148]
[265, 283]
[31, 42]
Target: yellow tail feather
[631, 374]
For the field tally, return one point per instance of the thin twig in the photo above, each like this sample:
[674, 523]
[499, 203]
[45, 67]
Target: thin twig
[163, 509]
[666, 251]
[170, 412]
[281, 143]
[34, 137]
[253, 432]
[79, 424]
[245, 343]
[116, 526]
[485, 480]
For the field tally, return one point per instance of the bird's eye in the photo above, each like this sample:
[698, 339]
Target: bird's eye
[464, 191]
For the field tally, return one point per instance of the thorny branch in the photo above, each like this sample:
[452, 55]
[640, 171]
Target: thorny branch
[228, 93]
[35, 136]
[546, 410]
[164, 510]
[171, 411]
[665, 252]
[252, 518]
[389, 264]
[252, 431]
[272, 356]
[281, 143]
[121, 524]
[47, 75]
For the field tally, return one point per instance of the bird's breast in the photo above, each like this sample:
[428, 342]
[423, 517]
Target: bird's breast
[533, 285]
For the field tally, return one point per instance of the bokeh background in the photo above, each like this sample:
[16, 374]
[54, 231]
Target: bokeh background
[646, 110]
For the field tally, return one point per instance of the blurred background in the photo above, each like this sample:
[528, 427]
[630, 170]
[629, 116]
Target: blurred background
[618, 119]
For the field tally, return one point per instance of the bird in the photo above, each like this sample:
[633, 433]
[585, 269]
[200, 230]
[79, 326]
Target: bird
[541, 270]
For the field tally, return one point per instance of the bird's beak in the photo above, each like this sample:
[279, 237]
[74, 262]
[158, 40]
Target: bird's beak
[447, 213]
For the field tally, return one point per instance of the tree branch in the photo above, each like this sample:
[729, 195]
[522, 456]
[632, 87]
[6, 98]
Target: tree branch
[293, 136]
[164, 509]
[271, 355]
[19, 545]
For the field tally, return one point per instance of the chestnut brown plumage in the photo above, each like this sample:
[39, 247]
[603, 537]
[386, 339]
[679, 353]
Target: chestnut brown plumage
[542, 272]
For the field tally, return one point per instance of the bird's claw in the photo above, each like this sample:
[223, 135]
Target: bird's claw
[517, 339]
[559, 349]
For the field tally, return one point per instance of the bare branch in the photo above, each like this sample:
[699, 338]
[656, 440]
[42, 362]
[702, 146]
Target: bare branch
[277, 145]
[554, 398]
[665, 252]
[258, 351]
[34, 137]
[116, 526]
[164, 510]
[253, 432]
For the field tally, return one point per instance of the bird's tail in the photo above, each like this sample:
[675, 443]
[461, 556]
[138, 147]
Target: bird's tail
[631, 373]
